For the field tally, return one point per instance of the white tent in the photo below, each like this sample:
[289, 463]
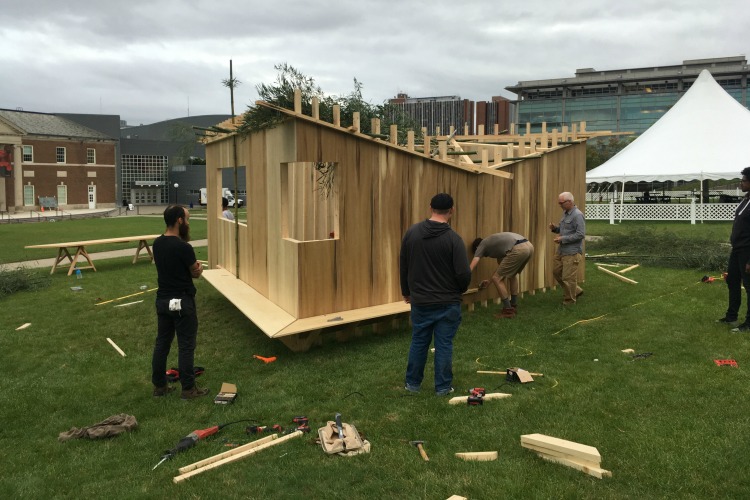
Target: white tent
[706, 135]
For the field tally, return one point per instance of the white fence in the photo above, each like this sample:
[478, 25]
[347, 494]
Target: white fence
[662, 211]
[677, 196]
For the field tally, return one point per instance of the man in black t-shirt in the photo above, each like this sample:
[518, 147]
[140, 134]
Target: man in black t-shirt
[176, 267]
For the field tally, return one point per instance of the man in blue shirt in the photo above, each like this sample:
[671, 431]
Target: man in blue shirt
[571, 232]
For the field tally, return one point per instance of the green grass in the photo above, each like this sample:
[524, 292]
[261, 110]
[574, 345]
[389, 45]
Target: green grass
[16, 236]
[672, 425]
[717, 230]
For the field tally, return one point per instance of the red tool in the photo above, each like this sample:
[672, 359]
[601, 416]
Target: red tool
[726, 362]
[189, 441]
[477, 391]
[265, 360]
[259, 429]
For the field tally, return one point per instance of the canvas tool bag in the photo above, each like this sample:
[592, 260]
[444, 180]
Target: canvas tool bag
[352, 444]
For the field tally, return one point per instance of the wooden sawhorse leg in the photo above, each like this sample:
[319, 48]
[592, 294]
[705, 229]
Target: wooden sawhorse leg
[141, 245]
[81, 251]
[62, 253]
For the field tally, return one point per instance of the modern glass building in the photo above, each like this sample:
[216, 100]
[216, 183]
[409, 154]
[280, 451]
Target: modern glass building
[622, 100]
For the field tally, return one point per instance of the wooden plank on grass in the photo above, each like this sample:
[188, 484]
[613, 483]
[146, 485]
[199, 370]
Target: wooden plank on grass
[478, 456]
[222, 456]
[493, 395]
[618, 276]
[627, 268]
[588, 453]
[561, 454]
[591, 471]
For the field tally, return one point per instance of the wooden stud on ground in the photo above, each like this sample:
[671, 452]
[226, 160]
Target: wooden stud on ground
[234, 458]
[226, 454]
[478, 456]
[24, 326]
[493, 395]
[618, 276]
[627, 268]
[115, 346]
[578, 456]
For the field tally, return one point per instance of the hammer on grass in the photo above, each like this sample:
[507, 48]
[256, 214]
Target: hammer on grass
[419, 446]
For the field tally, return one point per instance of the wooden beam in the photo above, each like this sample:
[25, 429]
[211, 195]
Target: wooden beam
[486, 397]
[626, 269]
[221, 456]
[591, 471]
[618, 276]
[478, 456]
[234, 458]
[585, 452]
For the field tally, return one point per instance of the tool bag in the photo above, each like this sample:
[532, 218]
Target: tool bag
[352, 444]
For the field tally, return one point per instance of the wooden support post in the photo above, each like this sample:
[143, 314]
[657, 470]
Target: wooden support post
[316, 108]
[466, 128]
[480, 129]
[485, 158]
[298, 101]
[528, 128]
[512, 129]
[355, 121]
[582, 128]
[427, 140]
[375, 125]
[394, 134]
[443, 150]
[496, 129]
[521, 147]
[564, 133]
[437, 131]
[554, 137]
[410, 140]
[337, 115]
[479, 456]
[573, 132]
[451, 130]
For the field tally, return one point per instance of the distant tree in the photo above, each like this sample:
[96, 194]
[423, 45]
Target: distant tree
[281, 93]
[599, 150]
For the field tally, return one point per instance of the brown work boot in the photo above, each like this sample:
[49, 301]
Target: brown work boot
[193, 393]
[162, 391]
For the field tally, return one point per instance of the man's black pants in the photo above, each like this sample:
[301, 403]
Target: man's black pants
[736, 278]
[185, 324]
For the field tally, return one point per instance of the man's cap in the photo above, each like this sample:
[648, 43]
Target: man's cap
[441, 201]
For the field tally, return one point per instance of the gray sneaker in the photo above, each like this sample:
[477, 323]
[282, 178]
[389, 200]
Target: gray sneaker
[446, 392]
[744, 327]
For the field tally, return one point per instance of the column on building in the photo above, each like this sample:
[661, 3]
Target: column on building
[18, 176]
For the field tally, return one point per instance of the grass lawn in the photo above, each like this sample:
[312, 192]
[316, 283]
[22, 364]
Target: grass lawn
[16, 236]
[671, 425]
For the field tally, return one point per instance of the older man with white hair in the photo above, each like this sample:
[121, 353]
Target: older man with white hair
[571, 231]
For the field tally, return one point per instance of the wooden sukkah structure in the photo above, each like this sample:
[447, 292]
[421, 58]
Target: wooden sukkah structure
[327, 207]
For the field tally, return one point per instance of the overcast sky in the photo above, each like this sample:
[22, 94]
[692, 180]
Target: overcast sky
[152, 60]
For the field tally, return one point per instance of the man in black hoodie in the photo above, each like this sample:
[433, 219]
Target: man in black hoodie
[738, 271]
[434, 274]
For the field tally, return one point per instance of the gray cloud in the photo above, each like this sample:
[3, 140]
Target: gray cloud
[146, 59]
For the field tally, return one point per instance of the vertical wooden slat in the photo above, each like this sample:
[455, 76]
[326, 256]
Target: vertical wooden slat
[297, 101]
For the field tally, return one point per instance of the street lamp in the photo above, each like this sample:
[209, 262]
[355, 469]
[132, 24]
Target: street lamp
[176, 185]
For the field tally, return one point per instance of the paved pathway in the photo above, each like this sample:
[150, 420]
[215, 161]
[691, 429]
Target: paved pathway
[125, 252]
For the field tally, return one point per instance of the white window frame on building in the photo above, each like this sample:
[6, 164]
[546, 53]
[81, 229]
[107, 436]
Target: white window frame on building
[28, 154]
[90, 155]
[62, 194]
[28, 195]
[60, 154]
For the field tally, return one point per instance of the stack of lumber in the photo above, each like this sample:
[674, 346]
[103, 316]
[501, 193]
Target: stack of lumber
[578, 456]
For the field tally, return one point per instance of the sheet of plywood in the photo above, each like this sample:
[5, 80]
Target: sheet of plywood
[266, 315]
[588, 453]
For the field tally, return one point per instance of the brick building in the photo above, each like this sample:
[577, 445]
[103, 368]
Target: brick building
[51, 157]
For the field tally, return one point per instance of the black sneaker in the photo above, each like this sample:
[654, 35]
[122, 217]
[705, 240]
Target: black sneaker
[160, 392]
[727, 321]
[744, 327]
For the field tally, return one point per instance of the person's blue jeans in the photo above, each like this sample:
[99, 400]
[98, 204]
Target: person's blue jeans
[440, 321]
